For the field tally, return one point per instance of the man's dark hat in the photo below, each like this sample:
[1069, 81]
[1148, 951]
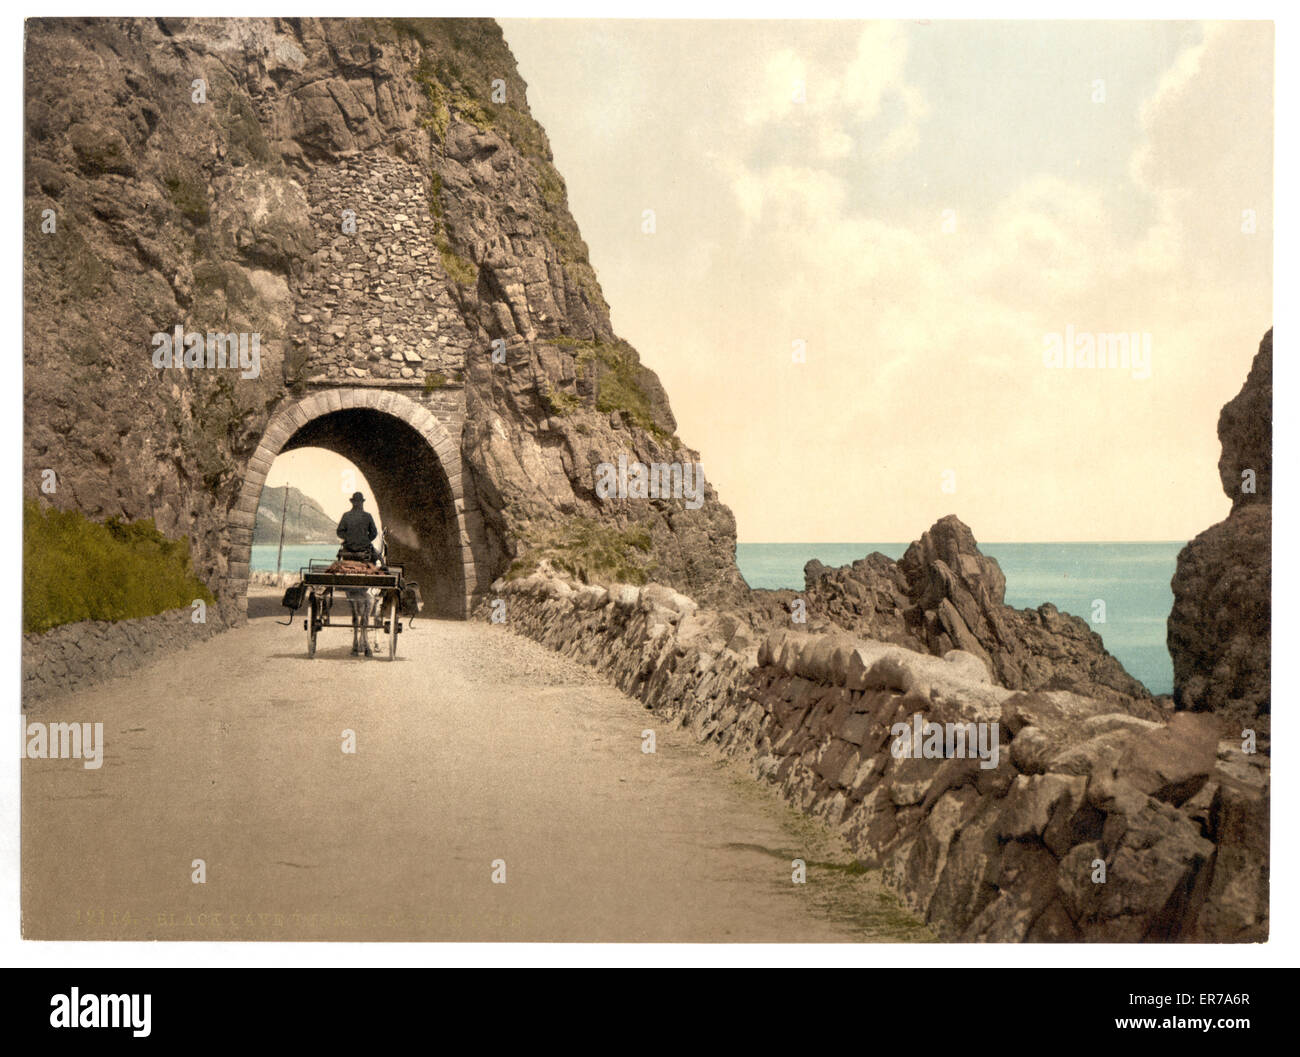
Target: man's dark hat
[357, 497]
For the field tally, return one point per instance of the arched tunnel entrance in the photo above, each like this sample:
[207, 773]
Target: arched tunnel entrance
[412, 465]
[412, 491]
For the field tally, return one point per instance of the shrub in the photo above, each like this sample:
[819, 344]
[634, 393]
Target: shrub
[558, 402]
[189, 193]
[78, 569]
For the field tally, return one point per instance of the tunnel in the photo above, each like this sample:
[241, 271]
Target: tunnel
[413, 467]
[412, 491]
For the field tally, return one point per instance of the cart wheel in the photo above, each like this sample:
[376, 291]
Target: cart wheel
[311, 626]
[392, 626]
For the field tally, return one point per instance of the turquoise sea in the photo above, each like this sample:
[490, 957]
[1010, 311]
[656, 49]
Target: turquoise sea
[1131, 578]
[296, 555]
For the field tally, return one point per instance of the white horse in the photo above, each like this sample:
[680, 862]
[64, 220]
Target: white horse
[364, 602]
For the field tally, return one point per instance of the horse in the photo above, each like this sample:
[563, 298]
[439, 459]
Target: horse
[364, 603]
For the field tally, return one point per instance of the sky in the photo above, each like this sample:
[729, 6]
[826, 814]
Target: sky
[918, 208]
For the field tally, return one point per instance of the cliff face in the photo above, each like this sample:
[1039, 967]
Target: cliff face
[943, 594]
[1220, 627]
[371, 198]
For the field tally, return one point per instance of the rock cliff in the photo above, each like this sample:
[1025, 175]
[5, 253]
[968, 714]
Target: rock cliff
[373, 199]
[1219, 631]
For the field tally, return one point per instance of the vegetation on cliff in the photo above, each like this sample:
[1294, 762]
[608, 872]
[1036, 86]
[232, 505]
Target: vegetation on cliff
[593, 551]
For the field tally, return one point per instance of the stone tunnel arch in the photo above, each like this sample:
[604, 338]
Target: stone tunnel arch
[411, 462]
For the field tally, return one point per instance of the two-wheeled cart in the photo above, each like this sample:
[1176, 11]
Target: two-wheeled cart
[319, 588]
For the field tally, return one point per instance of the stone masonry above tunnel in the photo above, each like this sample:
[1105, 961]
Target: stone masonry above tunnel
[377, 300]
[415, 467]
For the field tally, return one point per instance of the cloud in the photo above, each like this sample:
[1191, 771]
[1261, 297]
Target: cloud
[876, 70]
[829, 99]
[1207, 155]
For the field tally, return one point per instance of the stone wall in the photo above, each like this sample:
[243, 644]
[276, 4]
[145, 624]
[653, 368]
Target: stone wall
[75, 656]
[377, 303]
[1170, 812]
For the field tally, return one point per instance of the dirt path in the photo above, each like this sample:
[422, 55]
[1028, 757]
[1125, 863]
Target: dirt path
[474, 745]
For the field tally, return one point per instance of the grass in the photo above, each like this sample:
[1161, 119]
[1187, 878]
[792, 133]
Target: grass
[574, 257]
[549, 182]
[78, 569]
[434, 380]
[435, 195]
[618, 386]
[593, 551]
[839, 888]
[246, 140]
[558, 402]
[461, 271]
[617, 373]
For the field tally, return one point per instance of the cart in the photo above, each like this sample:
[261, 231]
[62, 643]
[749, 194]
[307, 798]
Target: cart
[317, 588]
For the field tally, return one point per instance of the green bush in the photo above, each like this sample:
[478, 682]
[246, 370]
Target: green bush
[77, 569]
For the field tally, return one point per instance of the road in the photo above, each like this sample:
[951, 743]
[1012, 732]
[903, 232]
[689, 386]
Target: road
[475, 748]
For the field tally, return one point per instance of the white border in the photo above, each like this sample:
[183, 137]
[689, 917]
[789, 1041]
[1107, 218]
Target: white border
[1284, 946]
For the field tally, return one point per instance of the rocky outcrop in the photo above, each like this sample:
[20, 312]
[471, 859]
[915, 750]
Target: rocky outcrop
[373, 198]
[1077, 821]
[1219, 631]
[943, 594]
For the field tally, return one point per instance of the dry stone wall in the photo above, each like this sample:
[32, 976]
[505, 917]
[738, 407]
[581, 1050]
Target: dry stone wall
[1088, 824]
[75, 656]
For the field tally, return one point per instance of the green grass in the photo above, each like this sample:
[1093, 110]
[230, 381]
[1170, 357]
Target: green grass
[78, 569]
[434, 380]
[617, 373]
[574, 258]
[549, 182]
[617, 384]
[593, 551]
[246, 140]
[435, 195]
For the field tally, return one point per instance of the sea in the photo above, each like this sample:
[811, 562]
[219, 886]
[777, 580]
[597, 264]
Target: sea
[295, 557]
[1131, 578]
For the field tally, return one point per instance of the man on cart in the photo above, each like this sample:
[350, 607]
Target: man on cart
[357, 531]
